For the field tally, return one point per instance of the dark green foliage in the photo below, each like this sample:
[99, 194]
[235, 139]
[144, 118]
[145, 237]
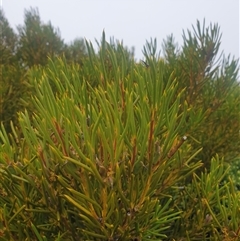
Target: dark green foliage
[13, 77]
[8, 41]
[76, 51]
[235, 173]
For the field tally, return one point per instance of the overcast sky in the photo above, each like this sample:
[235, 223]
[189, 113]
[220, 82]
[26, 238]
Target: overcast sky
[133, 21]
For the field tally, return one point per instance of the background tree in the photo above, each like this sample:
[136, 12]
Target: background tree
[13, 84]
[76, 51]
[8, 41]
[37, 41]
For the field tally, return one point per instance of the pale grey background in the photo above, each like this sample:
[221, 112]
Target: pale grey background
[133, 21]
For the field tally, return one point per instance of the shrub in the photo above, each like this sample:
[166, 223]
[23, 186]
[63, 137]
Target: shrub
[108, 156]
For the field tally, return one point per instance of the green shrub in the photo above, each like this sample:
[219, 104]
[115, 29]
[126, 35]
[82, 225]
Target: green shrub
[107, 155]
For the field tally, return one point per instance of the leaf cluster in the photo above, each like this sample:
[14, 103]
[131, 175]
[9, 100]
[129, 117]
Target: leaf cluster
[212, 87]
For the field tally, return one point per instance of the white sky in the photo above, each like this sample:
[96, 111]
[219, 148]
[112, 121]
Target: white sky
[133, 21]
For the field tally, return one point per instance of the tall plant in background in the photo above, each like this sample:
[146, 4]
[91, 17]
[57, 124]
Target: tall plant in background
[76, 51]
[37, 40]
[107, 156]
